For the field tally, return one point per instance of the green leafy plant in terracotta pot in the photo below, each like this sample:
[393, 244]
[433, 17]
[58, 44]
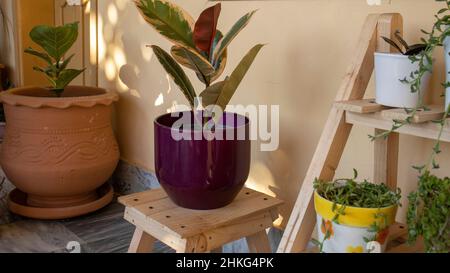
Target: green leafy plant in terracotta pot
[59, 148]
[202, 173]
[353, 215]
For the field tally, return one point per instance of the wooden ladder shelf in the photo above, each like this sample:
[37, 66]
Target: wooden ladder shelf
[351, 109]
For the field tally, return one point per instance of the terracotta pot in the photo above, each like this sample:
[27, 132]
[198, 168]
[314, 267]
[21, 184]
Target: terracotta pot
[59, 151]
[198, 173]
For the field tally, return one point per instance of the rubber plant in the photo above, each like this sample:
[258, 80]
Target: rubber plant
[429, 206]
[56, 42]
[199, 46]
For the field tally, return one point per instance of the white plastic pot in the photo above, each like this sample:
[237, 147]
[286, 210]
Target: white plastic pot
[389, 70]
[447, 68]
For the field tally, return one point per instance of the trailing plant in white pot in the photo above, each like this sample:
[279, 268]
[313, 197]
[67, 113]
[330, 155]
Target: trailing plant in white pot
[391, 70]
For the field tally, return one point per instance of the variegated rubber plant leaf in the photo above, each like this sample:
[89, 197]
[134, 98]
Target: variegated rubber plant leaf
[210, 94]
[206, 28]
[228, 38]
[222, 62]
[221, 93]
[169, 20]
[193, 60]
[176, 73]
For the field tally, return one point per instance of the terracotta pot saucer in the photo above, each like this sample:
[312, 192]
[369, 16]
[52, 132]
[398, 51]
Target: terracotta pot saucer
[17, 203]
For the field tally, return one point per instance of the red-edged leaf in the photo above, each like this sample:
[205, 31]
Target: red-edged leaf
[206, 28]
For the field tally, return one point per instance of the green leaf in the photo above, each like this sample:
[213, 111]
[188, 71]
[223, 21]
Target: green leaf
[176, 73]
[65, 77]
[228, 38]
[66, 62]
[222, 62]
[56, 41]
[38, 69]
[192, 60]
[221, 66]
[212, 93]
[169, 20]
[42, 55]
[236, 77]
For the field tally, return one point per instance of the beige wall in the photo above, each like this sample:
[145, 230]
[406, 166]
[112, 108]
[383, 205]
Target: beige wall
[310, 44]
[8, 51]
[29, 14]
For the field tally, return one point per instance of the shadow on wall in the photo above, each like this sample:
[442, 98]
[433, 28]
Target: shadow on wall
[140, 101]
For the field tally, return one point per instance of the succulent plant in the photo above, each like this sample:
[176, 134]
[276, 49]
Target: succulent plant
[56, 42]
[409, 50]
[199, 46]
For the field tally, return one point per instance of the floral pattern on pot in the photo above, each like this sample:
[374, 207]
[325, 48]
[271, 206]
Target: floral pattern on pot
[352, 231]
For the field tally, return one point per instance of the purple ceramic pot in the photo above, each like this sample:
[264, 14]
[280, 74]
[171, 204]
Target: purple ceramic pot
[202, 173]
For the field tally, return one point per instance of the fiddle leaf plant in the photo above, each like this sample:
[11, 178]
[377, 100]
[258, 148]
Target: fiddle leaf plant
[198, 46]
[56, 42]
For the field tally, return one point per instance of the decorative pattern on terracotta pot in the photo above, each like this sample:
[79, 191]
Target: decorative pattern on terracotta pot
[59, 150]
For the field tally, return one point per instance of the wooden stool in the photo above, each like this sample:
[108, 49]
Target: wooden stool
[156, 217]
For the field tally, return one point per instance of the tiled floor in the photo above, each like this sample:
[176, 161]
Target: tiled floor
[102, 232]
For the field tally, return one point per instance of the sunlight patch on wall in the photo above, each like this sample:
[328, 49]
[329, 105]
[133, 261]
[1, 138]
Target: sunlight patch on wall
[93, 39]
[101, 41]
[260, 176]
[160, 100]
[110, 70]
[121, 4]
[113, 15]
[147, 53]
[169, 82]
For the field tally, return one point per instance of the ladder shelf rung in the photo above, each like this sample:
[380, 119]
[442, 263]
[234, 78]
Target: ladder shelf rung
[428, 130]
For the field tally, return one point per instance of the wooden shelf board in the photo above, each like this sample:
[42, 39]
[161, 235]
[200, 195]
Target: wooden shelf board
[435, 112]
[360, 106]
[367, 106]
[428, 130]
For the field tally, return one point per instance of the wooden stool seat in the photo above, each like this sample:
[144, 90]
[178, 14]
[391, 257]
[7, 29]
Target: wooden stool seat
[157, 217]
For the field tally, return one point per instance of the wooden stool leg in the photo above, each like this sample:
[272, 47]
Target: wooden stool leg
[259, 243]
[141, 242]
[217, 250]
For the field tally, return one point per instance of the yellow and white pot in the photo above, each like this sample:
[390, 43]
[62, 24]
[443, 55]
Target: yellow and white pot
[349, 236]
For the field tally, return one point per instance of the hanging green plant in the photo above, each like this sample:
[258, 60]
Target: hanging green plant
[428, 211]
